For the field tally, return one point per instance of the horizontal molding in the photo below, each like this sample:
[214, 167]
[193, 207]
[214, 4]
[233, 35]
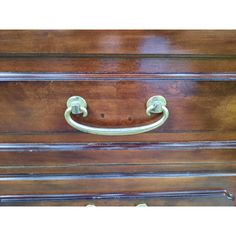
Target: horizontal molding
[36, 167]
[115, 196]
[152, 175]
[11, 76]
[114, 55]
[43, 147]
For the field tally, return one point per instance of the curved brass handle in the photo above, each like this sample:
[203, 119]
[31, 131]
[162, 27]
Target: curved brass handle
[77, 105]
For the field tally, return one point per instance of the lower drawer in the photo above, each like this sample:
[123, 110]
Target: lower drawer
[190, 173]
[174, 198]
[175, 188]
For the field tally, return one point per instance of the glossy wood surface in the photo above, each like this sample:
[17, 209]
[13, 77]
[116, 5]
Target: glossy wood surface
[117, 183]
[116, 72]
[72, 158]
[120, 42]
[117, 65]
[195, 106]
[118, 51]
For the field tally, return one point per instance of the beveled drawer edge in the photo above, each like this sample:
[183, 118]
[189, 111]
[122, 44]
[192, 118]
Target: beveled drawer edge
[152, 175]
[66, 76]
[114, 55]
[38, 147]
[11, 199]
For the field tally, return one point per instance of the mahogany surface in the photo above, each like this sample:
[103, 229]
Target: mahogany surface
[195, 106]
[190, 160]
[210, 42]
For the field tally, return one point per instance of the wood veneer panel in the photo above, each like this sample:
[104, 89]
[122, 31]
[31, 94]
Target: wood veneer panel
[120, 42]
[116, 65]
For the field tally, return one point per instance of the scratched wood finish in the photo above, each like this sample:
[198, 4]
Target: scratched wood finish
[116, 72]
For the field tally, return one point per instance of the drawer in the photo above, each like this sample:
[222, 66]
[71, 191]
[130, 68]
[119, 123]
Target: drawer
[117, 157]
[174, 198]
[33, 111]
[115, 189]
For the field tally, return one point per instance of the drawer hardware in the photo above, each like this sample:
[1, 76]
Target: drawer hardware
[139, 205]
[142, 205]
[90, 205]
[77, 105]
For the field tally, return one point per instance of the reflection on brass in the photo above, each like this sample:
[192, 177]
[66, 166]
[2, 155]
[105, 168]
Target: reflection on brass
[142, 205]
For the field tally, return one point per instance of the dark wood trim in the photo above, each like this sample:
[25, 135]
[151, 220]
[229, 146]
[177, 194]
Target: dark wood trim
[75, 137]
[37, 147]
[64, 177]
[114, 196]
[32, 76]
[115, 56]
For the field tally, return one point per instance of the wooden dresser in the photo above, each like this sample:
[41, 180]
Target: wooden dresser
[129, 118]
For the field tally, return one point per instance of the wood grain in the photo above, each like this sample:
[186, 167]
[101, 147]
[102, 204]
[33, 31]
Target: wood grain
[37, 107]
[77, 137]
[124, 184]
[119, 42]
[116, 158]
[116, 65]
[43, 161]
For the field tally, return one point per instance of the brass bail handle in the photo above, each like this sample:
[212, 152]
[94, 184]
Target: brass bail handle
[77, 105]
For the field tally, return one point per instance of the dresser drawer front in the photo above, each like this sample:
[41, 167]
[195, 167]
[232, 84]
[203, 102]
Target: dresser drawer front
[33, 108]
[111, 189]
[116, 157]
